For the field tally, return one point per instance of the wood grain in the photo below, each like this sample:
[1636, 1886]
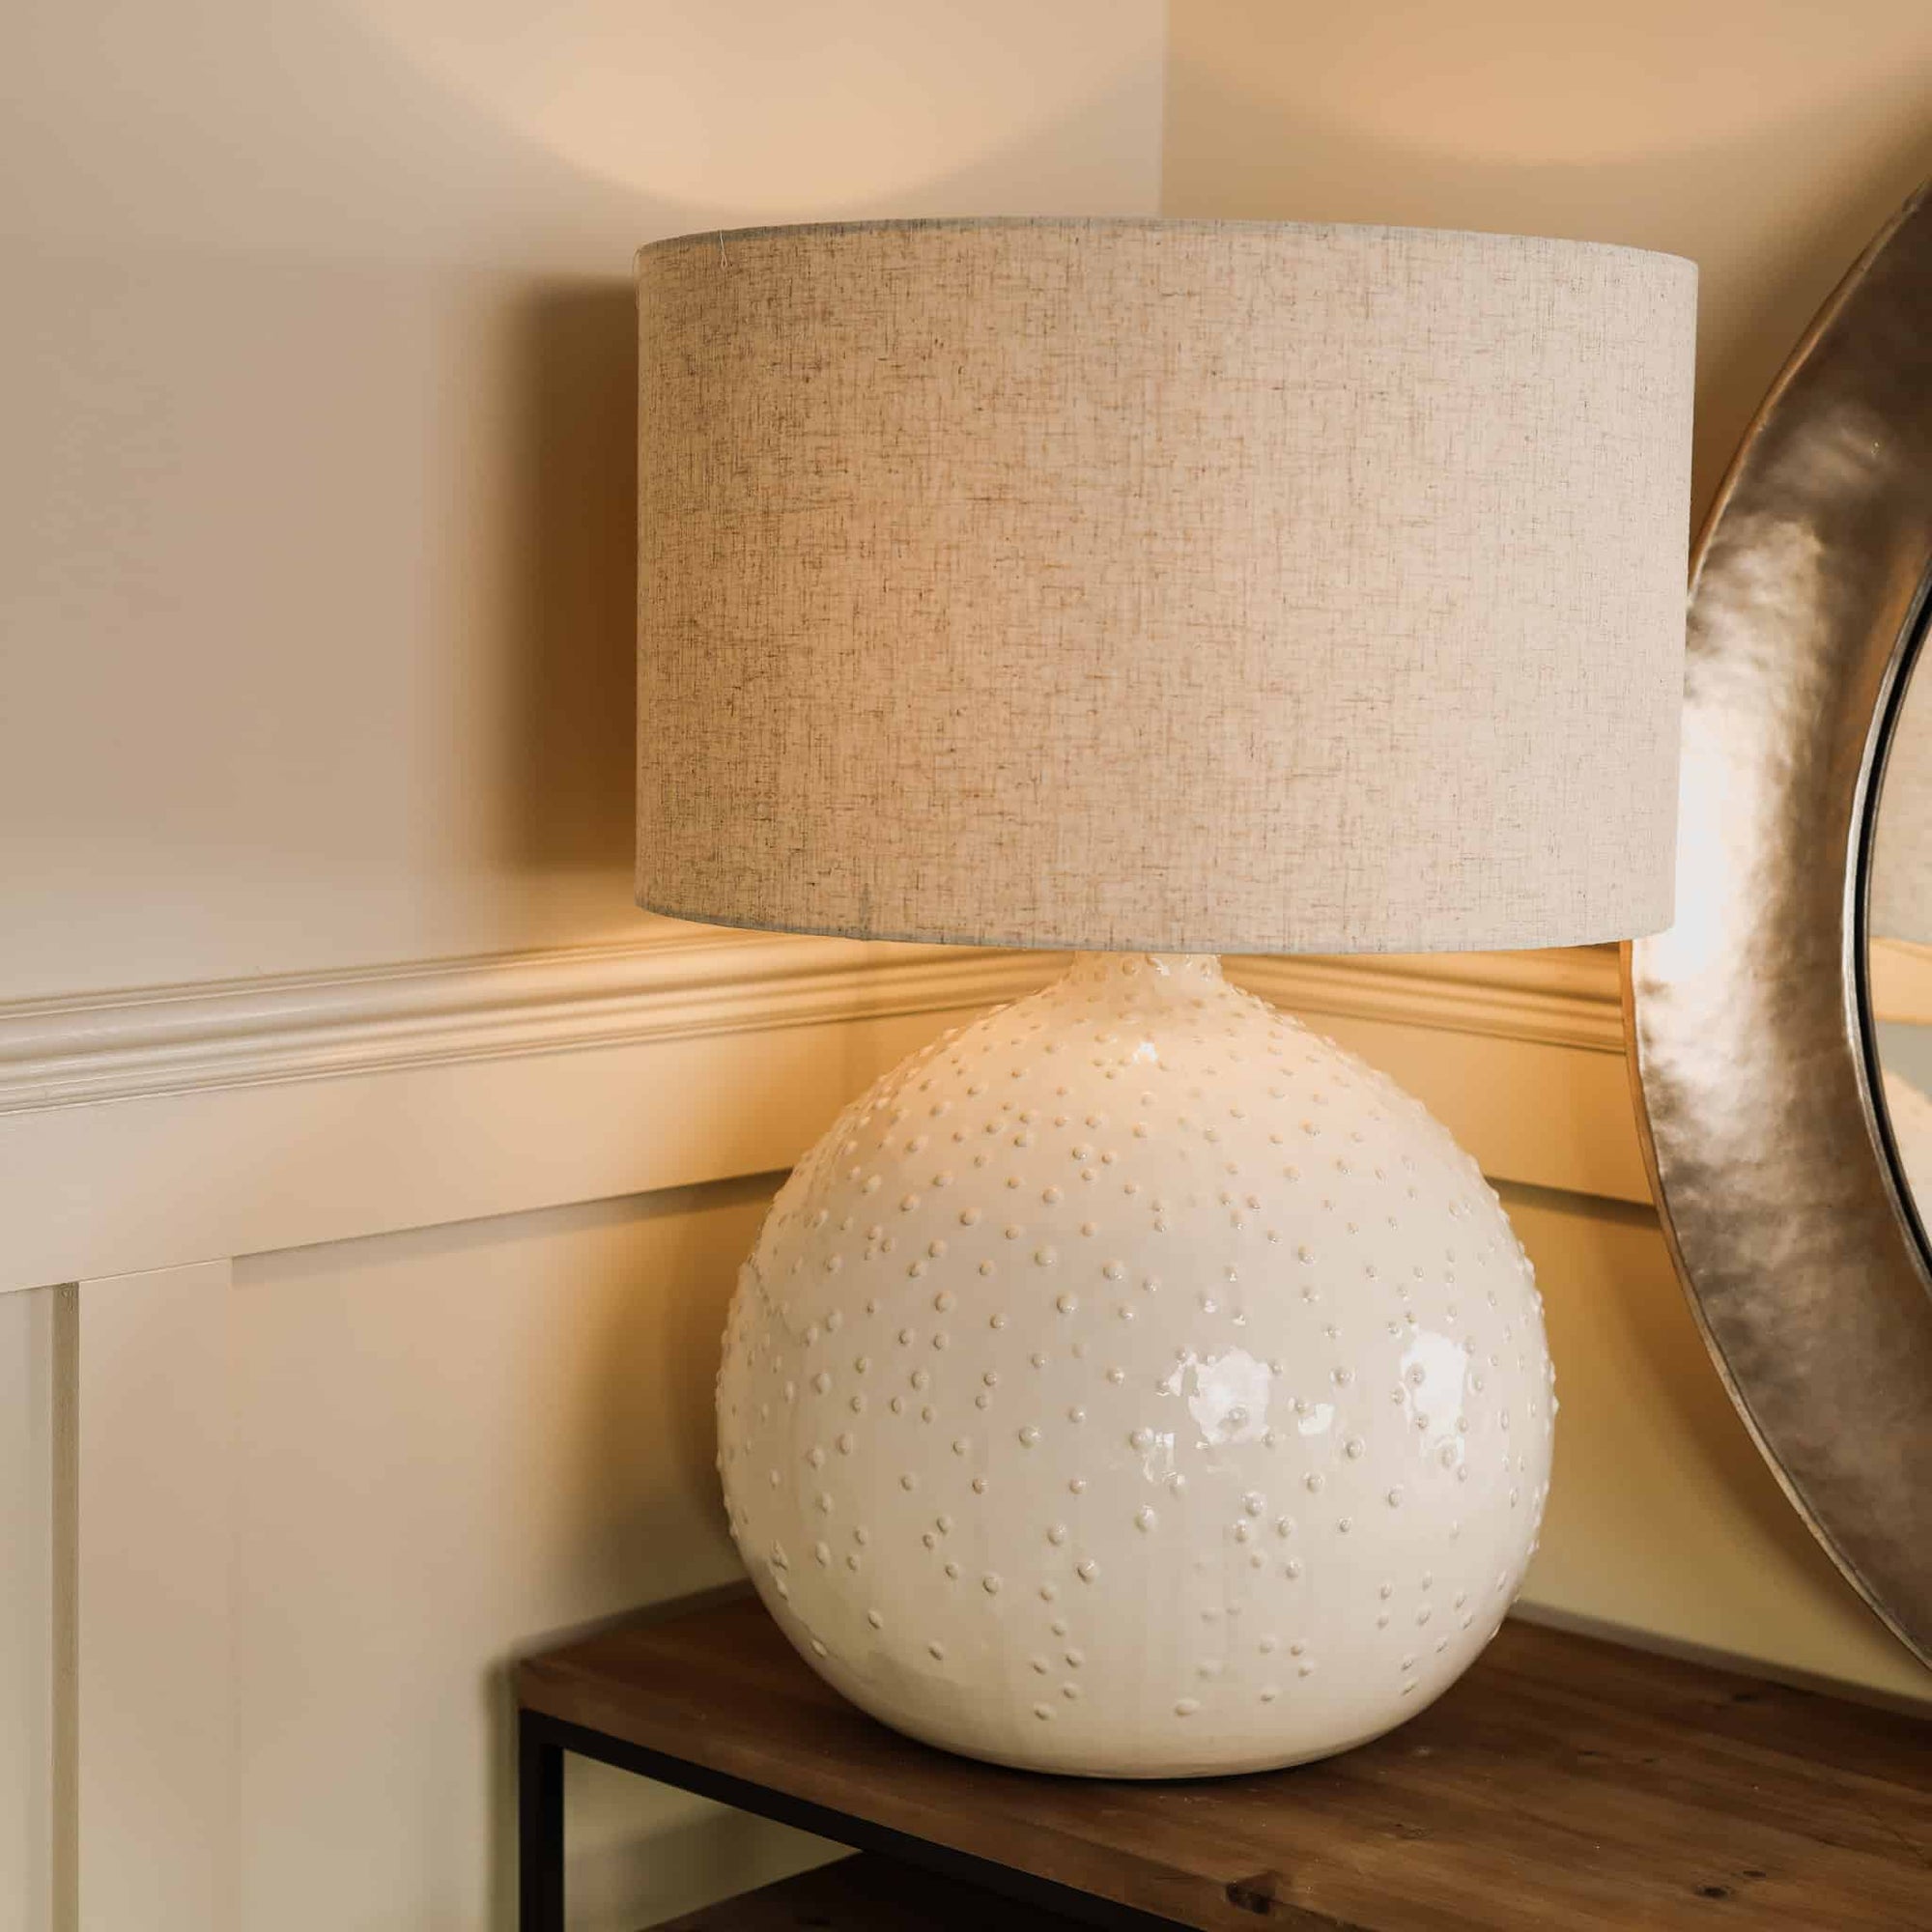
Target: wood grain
[1564, 1782]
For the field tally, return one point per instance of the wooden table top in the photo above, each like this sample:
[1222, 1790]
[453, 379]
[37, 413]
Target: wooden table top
[1564, 1782]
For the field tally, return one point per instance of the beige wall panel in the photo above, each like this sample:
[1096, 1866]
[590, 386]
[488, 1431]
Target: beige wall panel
[1526, 1110]
[452, 1446]
[1663, 1519]
[234, 1170]
[31, 1516]
[153, 1586]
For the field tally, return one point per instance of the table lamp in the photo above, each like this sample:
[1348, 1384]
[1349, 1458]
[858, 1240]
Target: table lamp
[1132, 1382]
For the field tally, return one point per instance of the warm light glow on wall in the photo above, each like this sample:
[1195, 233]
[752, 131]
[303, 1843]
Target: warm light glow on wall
[1526, 81]
[762, 107]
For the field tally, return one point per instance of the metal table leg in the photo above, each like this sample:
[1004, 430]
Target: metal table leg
[539, 1827]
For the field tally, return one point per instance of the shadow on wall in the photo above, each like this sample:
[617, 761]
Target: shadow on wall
[626, 1430]
[569, 539]
[572, 544]
[1664, 1517]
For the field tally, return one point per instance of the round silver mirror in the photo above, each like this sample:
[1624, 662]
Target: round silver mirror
[1785, 1068]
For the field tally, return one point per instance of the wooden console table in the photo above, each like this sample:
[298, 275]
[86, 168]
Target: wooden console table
[1564, 1782]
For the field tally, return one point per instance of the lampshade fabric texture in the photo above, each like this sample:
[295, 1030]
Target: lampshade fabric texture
[1179, 585]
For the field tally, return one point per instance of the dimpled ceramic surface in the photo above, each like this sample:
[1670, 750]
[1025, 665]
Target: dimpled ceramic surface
[1133, 1383]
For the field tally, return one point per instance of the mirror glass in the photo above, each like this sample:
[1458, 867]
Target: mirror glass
[1898, 937]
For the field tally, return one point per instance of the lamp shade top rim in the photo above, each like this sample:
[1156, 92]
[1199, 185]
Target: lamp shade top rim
[967, 224]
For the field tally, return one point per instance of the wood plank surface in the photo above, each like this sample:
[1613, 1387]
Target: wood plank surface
[1564, 1782]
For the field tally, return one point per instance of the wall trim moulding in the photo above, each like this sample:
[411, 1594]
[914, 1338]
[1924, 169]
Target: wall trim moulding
[1548, 998]
[678, 982]
[681, 982]
[141, 1130]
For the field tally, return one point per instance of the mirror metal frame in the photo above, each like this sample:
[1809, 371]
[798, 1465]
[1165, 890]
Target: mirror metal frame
[1748, 1022]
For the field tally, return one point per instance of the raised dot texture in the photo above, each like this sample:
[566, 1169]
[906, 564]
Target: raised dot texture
[1330, 1366]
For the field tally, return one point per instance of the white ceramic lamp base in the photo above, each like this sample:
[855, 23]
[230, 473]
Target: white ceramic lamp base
[1135, 1384]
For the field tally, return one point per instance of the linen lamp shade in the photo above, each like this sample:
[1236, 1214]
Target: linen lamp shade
[1186, 585]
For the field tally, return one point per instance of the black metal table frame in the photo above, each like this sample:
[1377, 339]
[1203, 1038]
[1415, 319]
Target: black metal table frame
[542, 1742]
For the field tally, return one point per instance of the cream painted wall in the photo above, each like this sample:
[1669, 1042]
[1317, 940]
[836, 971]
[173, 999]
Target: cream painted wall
[318, 379]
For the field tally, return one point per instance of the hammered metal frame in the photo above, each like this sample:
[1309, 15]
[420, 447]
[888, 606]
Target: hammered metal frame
[1748, 1021]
